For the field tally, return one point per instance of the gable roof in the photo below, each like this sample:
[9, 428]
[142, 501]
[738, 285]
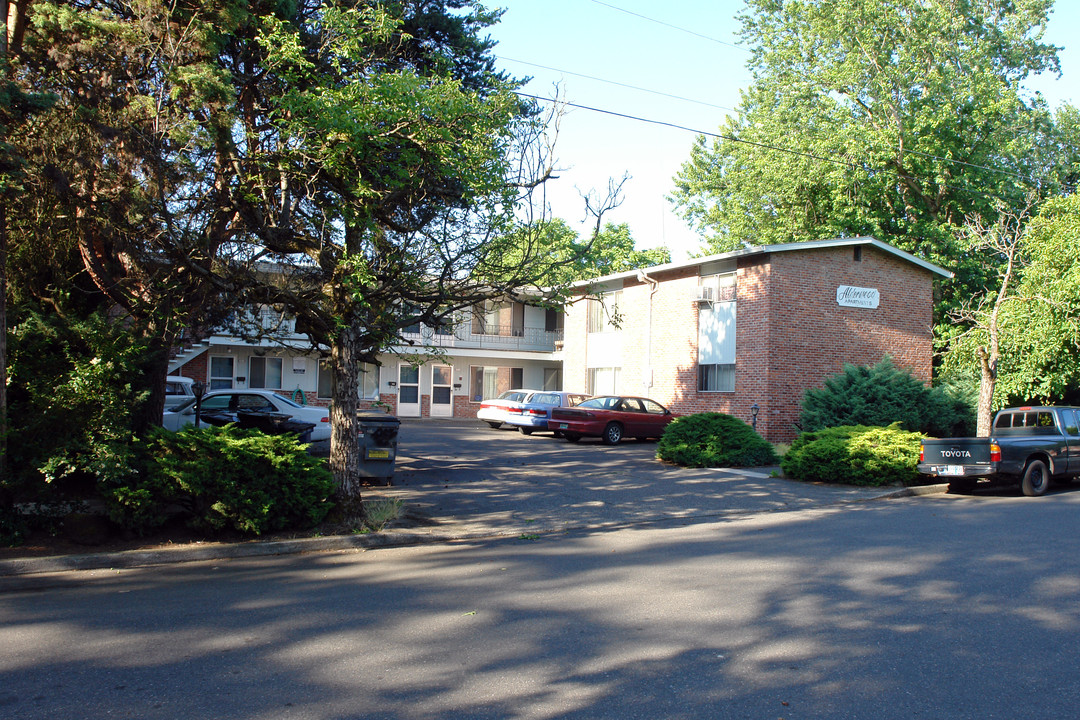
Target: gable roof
[770, 249]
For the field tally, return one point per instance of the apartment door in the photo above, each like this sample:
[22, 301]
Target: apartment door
[442, 391]
[408, 404]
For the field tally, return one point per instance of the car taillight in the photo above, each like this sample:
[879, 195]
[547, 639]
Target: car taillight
[513, 411]
[537, 413]
[995, 452]
[325, 419]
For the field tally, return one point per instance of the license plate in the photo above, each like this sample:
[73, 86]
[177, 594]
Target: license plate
[378, 454]
[952, 470]
[561, 426]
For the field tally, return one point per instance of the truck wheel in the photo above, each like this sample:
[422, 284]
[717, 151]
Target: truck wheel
[1036, 480]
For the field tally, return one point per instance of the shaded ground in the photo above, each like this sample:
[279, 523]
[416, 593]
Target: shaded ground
[464, 476]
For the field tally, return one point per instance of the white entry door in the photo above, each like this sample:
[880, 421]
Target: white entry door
[442, 391]
[408, 391]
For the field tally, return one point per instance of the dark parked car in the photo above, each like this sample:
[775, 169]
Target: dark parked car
[534, 412]
[611, 418]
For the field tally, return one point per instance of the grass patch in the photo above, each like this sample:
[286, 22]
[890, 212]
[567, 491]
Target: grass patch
[377, 513]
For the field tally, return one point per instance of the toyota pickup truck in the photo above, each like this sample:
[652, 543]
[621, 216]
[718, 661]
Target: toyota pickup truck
[1029, 445]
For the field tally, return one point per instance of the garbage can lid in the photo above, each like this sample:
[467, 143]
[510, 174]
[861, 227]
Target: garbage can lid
[375, 416]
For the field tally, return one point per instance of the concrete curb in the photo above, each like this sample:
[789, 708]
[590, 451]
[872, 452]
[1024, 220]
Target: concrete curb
[197, 552]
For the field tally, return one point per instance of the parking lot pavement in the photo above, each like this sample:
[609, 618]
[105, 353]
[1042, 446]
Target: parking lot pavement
[463, 475]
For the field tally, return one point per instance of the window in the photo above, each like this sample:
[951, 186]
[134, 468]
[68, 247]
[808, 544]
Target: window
[369, 381]
[716, 378]
[716, 347]
[264, 372]
[552, 379]
[488, 382]
[603, 381]
[604, 312]
[221, 372]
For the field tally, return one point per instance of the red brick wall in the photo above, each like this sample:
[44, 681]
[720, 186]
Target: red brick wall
[791, 335]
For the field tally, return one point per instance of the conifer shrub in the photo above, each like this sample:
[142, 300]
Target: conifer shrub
[224, 478]
[714, 439]
[855, 455]
[881, 395]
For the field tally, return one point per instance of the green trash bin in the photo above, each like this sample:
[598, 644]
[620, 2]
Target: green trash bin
[378, 441]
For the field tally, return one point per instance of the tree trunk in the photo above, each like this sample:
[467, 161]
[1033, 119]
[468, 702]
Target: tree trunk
[987, 380]
[344, 427]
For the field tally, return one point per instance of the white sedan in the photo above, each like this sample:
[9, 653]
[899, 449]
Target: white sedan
[250, 400]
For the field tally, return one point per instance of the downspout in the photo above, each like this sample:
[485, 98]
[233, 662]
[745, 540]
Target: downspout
[654, 285]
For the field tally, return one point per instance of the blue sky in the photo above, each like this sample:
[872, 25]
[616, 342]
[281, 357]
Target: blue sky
[675, 62]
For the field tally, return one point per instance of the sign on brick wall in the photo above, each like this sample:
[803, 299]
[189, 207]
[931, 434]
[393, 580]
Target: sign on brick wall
[848, 296]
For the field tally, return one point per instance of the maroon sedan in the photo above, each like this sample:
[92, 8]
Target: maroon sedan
[611, 418]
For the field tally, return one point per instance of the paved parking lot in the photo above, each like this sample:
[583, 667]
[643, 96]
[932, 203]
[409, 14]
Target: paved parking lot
[461, 475]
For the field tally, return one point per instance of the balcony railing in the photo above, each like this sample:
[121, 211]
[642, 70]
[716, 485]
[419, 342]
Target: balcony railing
[495, 337]
[466, 335]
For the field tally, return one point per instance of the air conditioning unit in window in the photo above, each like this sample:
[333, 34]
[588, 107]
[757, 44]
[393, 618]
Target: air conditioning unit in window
[705, 293]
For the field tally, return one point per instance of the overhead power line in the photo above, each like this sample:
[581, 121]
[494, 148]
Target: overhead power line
[674, 27]
[620, 84]
[788, 151]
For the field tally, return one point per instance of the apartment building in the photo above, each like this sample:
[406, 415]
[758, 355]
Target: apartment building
[748, 332]
[744, 333]
[443, 371]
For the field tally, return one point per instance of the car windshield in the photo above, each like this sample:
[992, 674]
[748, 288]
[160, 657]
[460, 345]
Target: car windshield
[600, 403]
[512, 395]
[288, 401]
[181, 407]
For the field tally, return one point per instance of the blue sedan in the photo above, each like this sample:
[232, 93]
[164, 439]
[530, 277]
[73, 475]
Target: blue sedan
[534, 411]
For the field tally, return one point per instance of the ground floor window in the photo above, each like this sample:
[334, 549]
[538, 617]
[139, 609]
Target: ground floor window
[552, 379]
[221, 372]
[369, 381]
[488, 382]
[716, 378]
[603, 381]
[264, 372]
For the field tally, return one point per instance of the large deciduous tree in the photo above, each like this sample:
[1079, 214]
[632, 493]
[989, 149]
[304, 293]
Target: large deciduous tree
[891, 118]
[359, 165]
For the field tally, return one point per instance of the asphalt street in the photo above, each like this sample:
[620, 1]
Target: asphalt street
[580, 581]
[928, 607]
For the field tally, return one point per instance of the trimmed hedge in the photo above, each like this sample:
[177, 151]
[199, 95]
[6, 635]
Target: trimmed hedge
[714, 439]
[855, 455]
[224, 477]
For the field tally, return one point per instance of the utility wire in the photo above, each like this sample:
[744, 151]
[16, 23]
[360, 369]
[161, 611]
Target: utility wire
[619, 84]
[665, 24]
[788, 151]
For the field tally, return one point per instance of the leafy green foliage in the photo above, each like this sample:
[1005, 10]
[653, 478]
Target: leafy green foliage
[72, 394]
[713, 439]
[1041, 357]
[891, 118]
[855, 455]
[882, 395]
[611, 250]
[224, 477]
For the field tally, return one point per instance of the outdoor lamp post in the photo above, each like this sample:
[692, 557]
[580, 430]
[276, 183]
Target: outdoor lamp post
[199, 389]
[754, 409]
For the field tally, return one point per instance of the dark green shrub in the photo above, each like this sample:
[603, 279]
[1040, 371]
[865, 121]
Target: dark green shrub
[882, 395]
[855, 455]
[713, 440]
[72, 401]
[225, 477]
